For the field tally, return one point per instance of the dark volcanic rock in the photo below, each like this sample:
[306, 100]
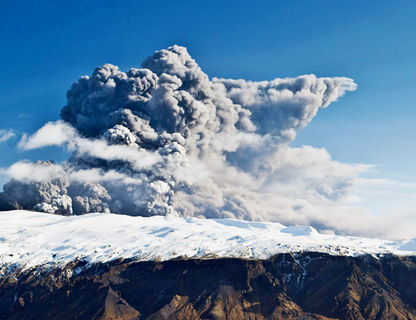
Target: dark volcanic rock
[287, 286]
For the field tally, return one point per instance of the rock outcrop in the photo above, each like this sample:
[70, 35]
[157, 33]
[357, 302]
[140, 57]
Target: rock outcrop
[286, 286]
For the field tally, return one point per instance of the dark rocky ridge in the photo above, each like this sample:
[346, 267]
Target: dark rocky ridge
[286, 286]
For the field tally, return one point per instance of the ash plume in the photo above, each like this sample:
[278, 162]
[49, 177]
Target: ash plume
[167, 140]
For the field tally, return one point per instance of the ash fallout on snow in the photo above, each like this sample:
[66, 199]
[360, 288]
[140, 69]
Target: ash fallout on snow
[164, 139]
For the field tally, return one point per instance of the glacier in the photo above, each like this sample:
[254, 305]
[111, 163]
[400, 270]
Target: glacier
[31, 239]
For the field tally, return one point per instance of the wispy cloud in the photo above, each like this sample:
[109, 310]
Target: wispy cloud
[6, 135]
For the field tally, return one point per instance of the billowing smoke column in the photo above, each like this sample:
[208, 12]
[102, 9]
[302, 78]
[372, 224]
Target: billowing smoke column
[165, 139]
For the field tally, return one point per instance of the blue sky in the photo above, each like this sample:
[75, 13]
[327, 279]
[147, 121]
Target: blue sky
[45, 46]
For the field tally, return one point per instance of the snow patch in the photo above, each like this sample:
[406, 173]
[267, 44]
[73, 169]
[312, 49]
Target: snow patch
[300, 230]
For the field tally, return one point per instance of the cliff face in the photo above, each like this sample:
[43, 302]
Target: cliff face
[287, 286]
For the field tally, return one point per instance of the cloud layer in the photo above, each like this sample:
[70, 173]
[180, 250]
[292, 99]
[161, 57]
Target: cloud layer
[165, 139]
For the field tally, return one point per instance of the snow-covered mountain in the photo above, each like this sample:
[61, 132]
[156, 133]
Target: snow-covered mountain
[111, 266]
[29, 239]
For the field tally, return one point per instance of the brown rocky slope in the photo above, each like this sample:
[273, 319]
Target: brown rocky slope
[286, 286]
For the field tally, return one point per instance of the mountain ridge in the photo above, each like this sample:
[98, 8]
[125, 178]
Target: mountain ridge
[30, 239]
[285, 286]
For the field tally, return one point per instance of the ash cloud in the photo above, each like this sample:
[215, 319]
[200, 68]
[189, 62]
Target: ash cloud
[167, 140]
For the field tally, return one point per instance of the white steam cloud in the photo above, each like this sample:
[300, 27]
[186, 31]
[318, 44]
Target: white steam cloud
[165, 139]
